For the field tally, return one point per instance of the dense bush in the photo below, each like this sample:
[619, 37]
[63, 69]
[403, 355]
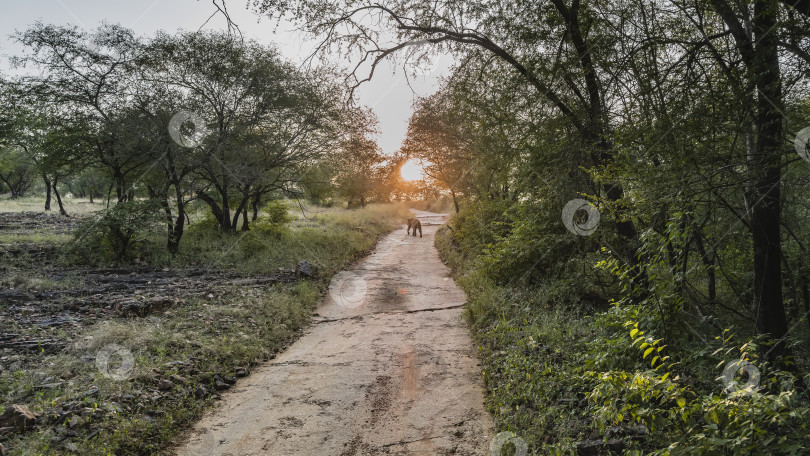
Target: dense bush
[561, 371]
[118, 233]
[278, 214]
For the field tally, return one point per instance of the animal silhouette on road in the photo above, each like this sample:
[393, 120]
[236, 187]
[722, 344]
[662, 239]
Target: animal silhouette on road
[414, 223]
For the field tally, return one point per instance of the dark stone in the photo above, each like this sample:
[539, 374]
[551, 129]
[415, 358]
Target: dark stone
[627, 431]
[76, 421]
[224, 379]
[201, 392]
[17, 416]
[598, 447]
[304, 268]
[14, 296]
[165, 385]
[58, 321]
[131, 307]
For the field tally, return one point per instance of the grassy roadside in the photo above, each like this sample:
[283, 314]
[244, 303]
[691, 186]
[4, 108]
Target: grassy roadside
[529, 353]
[183, 355]
[573, 379]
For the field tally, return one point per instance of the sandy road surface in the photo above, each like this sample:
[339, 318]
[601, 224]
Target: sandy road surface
[387, 368]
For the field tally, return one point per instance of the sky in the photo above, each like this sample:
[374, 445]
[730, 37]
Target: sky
[389, 93]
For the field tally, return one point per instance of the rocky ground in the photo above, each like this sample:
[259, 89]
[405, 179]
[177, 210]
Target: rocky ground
[47, 307]
[48, 320]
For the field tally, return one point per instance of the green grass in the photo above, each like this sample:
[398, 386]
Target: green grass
[239, 327]
[73, 206]
[34, 281]
[555, 376]
[312, 238]
[37, 237]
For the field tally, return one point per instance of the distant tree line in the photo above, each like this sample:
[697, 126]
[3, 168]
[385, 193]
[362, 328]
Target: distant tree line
[176, 118]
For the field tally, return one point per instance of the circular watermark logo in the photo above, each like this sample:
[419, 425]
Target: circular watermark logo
[348, 289]
[115, 362]
[731, 370]
[500, 440]
[580, 228]
[800, 143]
[182, 135]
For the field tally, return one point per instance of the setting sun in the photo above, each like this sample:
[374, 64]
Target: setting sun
[412, 170]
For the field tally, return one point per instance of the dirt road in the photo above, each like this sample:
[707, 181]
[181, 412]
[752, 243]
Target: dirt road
[387, 368]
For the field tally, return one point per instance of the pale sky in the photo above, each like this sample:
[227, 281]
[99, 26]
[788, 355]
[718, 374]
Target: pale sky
[388, 94]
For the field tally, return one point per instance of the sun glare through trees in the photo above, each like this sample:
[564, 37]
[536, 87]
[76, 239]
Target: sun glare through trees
[412, 170]
[610, 198]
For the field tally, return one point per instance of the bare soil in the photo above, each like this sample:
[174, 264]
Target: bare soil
[47, 306]
[390, 370]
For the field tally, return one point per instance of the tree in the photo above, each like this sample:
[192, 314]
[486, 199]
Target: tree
[440, 144]
[265, 120]
[569, 81]
[359, 161]
[601, 68]
[89, 76]
[15, 171]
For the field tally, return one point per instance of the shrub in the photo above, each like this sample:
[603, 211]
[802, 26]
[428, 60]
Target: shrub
[118, 232]
[277, 213]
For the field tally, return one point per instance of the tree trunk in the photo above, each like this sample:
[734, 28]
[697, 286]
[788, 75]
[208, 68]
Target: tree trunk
[118, 178]
[176, 233]
[765, 207]
[708, 262]
[455, 200]
[58, 198]
[245, 226]
[238, 212]
[806, 299]
[255, 205]
[225, 221]
[164, 203]
[179, 228]
[109, 193]
[215, 209]
[47, 192]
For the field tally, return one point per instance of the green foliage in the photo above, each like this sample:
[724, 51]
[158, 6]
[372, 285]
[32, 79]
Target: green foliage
[278, 214]
[478, 226]
[267, 247]
[558, 373]
[207, 222]
[118, 233]
[316, 184]
[685, 417]
[265, 232]
[16, 171]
